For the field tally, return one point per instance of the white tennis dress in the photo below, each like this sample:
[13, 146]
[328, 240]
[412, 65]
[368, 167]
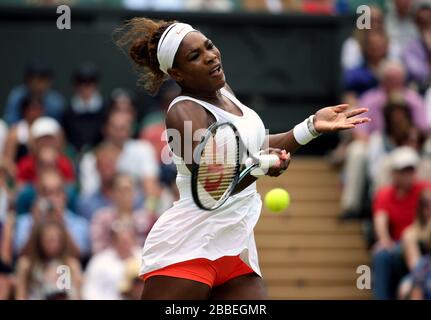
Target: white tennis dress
[186, 232]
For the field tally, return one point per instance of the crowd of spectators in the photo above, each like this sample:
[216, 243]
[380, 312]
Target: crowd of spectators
[80, 187]
[82, 180]
[386, 176]
[325, 7]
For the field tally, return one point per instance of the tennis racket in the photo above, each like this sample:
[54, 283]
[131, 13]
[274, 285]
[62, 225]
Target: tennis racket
[221, 161]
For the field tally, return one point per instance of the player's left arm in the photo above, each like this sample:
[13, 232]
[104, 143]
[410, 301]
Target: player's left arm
[329, 119]
[325, 120]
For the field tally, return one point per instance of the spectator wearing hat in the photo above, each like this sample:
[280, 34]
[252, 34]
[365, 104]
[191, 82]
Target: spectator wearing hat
[37, 82]
[46, 154]
[417, 53]
[392, 86]
[46, 147]
[17, 142]
[394, 210]
[83, 119]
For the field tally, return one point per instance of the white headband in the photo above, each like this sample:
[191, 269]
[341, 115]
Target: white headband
[169, 43]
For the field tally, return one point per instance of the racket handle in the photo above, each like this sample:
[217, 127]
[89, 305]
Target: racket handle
[266, 161]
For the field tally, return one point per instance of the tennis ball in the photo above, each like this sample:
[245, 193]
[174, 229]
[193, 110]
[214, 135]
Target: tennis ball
[277, 199]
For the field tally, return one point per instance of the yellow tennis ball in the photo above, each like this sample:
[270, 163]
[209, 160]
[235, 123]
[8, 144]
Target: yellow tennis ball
[277, 199]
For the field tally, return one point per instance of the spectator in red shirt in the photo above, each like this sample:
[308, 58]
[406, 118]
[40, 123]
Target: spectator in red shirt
[46, 145]
[394, 210]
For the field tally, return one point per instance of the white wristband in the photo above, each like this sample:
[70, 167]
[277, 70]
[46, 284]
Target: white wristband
[302, 132]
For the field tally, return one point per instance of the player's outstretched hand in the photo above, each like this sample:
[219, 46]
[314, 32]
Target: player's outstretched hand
[337, 118]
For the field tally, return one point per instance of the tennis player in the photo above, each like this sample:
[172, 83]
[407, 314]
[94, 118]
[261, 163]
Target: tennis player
[192, 253]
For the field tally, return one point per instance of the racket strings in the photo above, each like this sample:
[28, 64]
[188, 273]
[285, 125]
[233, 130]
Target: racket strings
[215, 184]
[217, 153]
[218, 168]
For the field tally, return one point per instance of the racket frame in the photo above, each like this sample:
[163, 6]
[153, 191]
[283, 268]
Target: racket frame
[197, 156]
[239, 174]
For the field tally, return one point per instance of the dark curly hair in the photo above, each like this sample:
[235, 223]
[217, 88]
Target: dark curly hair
[139, 38]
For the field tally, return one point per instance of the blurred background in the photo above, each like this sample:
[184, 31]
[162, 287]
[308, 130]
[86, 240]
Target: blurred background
[81, 177]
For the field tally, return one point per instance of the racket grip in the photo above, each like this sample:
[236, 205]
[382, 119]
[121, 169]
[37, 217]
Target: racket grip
[267, 160]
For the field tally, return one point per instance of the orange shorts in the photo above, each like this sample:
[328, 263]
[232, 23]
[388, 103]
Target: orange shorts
[212, 273]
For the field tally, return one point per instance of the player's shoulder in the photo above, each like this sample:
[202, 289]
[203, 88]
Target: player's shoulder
[186, 110]
[184, 107]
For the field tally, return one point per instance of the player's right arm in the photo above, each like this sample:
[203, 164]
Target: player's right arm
[185, 122]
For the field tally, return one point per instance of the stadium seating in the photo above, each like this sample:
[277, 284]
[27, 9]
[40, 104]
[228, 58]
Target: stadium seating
[305, 252]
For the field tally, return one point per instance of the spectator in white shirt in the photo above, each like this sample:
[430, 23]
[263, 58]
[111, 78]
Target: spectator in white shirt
[352, 54]
[137, 159]
[399, 23]
[106, 270]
